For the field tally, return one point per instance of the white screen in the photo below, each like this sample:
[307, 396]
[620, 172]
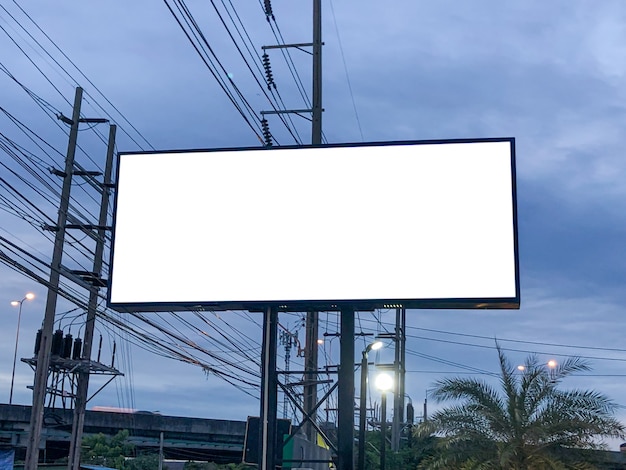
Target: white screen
[405, 221]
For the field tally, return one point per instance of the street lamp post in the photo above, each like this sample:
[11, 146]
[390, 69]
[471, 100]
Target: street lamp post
[363, 402]
[384, 382]
[16, 303]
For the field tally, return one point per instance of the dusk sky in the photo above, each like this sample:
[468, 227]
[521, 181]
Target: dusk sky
[550, 74]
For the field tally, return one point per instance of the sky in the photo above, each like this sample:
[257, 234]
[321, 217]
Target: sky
[550, 74]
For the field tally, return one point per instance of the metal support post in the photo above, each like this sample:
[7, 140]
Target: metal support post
[362, 412]
[402, 381]
[345, 400]
[269, 392]
[398, 397]
[383, 430]
[43, 358]
[161, 455]
[83, 376]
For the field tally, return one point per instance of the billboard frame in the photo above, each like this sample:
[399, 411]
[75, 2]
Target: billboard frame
[332, 304]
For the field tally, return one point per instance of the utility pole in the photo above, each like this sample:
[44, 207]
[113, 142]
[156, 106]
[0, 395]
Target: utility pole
[83, 375]
[312, 317]
[287, 339]
[43, 357]
[42, 361]
[161, 455]
[399, 377]
[310, 368]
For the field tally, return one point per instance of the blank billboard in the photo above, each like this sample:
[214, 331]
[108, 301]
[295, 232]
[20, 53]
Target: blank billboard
[419, 224]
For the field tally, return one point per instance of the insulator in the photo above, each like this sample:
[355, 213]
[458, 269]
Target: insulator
[67, 346]
[268, 10]
[57, 343]
[113, 355]
[267, 135]
[38, 340]
[268, 72]
[99, 348]
[78, 346]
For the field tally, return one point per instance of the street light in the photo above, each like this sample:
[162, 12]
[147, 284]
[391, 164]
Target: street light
[363, 402]
[552, 369]
[15, 303]
[384, 383]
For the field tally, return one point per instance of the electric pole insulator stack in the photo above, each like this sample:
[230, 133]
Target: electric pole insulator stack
[267, 135]
[268, 10]
[268, 72]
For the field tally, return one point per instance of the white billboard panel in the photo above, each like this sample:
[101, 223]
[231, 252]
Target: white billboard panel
[418, 224]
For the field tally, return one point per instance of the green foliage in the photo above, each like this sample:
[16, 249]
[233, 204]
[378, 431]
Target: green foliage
[144, 462]
[116, 452]
[109, 452]
[410, 455]
[526, 424]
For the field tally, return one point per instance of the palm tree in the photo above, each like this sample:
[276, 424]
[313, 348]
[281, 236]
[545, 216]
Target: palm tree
[526, 424]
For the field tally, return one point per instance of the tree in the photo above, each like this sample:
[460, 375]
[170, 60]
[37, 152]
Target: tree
[111, 452]
[526, 424]
[116, 452]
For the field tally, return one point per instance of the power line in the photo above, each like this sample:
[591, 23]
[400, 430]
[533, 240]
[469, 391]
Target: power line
[208, 63]
[539, 343]
[88, 80]
[296, 138]
[345, 68]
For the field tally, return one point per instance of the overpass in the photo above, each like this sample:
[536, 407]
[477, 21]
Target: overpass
[183, 438]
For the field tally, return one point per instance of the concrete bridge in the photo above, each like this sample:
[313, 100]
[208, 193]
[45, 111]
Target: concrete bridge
[183, 438]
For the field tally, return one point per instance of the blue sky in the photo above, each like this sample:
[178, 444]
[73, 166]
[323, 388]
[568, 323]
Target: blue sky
[550, 74]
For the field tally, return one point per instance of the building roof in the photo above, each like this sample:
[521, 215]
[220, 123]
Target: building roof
[95, 467]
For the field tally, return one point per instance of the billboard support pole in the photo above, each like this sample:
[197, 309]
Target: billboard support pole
[345, 400]
[398, 377]
[269, 393]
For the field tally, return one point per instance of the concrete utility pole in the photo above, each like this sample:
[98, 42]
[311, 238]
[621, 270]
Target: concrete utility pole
[83, 375]
[310, 376]
[43, 358]
[312, 318]
[161, 455]
[269, 382]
